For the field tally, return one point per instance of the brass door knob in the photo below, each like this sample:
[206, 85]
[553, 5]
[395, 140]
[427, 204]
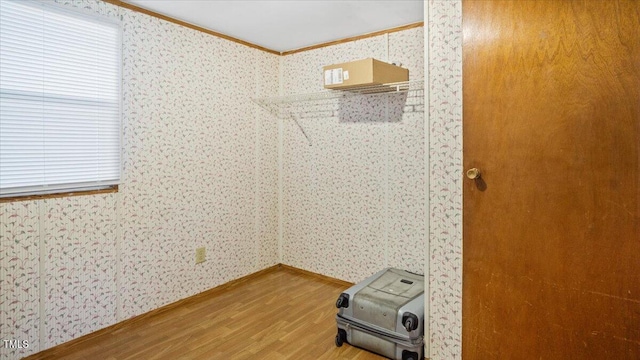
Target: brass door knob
[473, 173]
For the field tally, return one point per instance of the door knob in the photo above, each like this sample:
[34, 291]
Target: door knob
[473, 173]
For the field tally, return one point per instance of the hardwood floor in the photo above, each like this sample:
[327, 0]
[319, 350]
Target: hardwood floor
[281, 314]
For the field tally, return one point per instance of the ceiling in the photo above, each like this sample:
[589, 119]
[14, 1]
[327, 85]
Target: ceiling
[290, 24]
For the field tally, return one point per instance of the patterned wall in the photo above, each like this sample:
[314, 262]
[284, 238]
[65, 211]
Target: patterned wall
[79, 268]
[353, 187]
[200, 169]
[445, 177]
[19, 276]
[266, 177]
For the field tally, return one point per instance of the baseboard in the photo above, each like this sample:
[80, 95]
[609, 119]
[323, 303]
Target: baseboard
[316, 275]
[51, 352]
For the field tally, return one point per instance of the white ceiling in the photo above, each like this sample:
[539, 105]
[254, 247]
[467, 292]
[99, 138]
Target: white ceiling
[293, 24]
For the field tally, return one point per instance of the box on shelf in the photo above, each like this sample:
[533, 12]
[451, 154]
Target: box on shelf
[362, 73]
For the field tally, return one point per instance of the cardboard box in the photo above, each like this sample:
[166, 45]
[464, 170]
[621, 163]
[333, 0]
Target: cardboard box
[362, 73]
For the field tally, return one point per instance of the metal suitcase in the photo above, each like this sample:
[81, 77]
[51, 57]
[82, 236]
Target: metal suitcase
[384, 314]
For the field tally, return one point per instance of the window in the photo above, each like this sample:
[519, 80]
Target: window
[59, 100]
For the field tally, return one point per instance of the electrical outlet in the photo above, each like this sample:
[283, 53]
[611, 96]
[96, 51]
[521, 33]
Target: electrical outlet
[201, 255]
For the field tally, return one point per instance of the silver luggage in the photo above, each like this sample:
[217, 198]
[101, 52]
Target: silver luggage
[384, 314]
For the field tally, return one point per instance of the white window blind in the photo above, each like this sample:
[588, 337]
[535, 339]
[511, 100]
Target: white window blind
[59, 100]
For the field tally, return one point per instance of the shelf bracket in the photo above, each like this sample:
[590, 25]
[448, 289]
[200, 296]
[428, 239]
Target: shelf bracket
[301, 128]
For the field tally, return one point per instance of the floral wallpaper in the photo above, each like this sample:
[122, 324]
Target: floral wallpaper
[79, 266]
[353, 187]
[445, 173]
[194, 176]
[266, 152]
[19, 277]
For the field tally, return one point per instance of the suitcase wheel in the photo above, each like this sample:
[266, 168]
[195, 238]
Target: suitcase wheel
[409, 355]
[343, 301]
[410, 321]
[341, 337]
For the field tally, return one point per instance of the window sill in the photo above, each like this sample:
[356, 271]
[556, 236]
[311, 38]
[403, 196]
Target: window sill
[111, 189]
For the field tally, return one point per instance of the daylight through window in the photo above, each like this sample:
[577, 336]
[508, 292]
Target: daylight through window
[59, 100]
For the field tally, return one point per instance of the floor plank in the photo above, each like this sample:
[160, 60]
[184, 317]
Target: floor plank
[278, 315]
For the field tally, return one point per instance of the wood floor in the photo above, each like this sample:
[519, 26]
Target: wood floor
[282, 314]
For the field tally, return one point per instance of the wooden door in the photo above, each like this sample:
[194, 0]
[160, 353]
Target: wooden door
[551, 256]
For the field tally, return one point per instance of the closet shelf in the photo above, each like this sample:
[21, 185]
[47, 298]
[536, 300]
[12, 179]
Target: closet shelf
[390, 88]
[329, 103]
